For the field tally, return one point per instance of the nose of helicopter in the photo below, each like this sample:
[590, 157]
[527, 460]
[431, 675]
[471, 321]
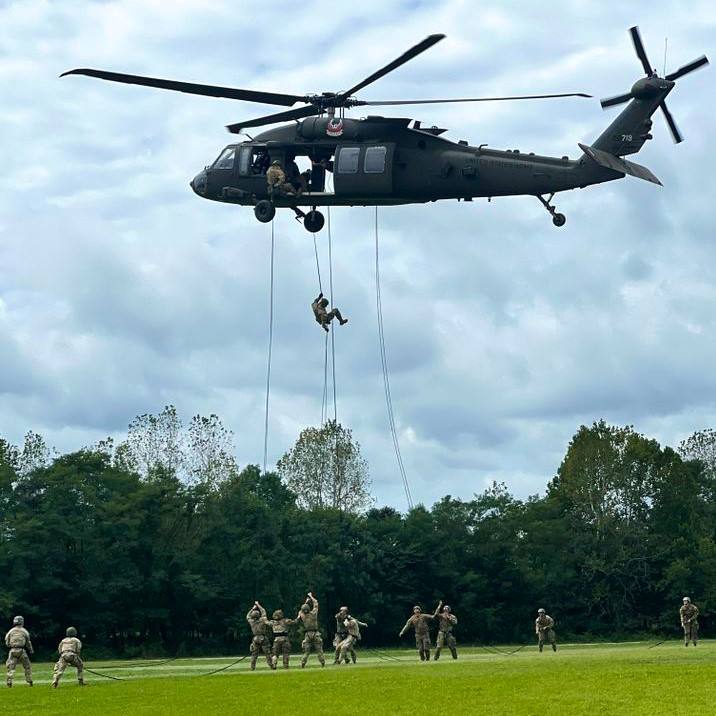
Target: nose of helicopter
[198, 183]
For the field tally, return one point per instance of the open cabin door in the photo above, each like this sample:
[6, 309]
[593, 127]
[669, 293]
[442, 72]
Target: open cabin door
[364, 170]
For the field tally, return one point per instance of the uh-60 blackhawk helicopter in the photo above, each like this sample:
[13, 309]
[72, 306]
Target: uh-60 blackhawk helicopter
[379, 161]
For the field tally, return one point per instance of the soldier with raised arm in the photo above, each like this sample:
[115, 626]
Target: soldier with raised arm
[312, 639]
[446, 621]
[688, 615]
[544, 628]
[17, 640]
[258, 622]
[419, 622]
[69, 651]
[281, 641]
[347, 646]
[341, 632]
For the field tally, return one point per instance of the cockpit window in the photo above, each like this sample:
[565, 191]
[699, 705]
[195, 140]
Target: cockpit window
[226, 159]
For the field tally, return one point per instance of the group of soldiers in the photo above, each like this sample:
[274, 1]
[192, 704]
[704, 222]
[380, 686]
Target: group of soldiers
[347, 636]
[18, 641]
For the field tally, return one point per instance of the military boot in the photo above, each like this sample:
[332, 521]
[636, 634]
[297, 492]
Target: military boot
[554, 647]
[54, 684]
[454, 653]
[540, 648]
[437, 654]
[81, 682]
[353, 656]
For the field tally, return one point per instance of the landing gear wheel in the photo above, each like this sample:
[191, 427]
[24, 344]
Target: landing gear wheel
[559, 219]
[264, 211]
[313, 221]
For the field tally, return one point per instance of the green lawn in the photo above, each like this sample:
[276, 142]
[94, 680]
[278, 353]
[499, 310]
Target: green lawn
[623, 679]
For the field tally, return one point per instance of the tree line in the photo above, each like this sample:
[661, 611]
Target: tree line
[161, 544]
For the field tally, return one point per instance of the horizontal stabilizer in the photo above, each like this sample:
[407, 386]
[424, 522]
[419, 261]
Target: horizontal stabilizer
[610, 161]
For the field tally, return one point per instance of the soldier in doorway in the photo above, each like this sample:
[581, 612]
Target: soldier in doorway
[419, 622]
[277, 181]
[544, 628]
[69, 651]
[688, 615]
[17, 640]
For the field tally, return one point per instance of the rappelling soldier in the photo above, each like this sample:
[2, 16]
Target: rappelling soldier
[688, 614]
[276, 180]
[69, 651]
[17, 640]
[258, 622]
[544, 628]
[419, 622]
[347, 646]
[312, 639]
[446, 621]
[324, 317]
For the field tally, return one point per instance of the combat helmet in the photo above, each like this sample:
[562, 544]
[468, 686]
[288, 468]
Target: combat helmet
[71, 631]
[278, 614]
[541, 611]
[18, 621]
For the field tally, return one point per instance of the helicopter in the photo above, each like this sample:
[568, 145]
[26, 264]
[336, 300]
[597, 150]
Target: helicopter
[381, 161]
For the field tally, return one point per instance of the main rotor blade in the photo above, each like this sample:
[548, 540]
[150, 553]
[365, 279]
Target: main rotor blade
[675, 133]
[640, 51]
[191, 88]
[273, 118]
[700, 62]
[618, 99]
[469, 99]
[426, 44]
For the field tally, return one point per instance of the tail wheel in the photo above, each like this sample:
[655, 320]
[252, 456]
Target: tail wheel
[264, 211]
[559, 219]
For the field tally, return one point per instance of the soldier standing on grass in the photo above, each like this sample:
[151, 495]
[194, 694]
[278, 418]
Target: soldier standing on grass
[69, 651]
[544, 628]
[281, 640]
[312, 636]
[419, 622]
[258, 622]
[446, 621]
[688, 615]
[17, 640]
[341, 632]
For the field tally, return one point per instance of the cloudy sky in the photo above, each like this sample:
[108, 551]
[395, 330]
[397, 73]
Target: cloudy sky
[121, 291]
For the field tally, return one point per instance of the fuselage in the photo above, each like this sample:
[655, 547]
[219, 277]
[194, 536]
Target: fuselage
[383, 161]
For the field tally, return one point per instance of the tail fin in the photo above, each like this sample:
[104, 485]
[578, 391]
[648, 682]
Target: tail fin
[617, 164]
[631, 129]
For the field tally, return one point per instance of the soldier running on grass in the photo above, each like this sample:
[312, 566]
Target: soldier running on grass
[419, 622]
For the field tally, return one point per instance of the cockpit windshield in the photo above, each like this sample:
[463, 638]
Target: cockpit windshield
[226, 159]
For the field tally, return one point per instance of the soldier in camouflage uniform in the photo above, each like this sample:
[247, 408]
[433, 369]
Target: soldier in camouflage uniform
[688, 614]
[17, 640]
[312, 637]
[281, 641]
[341, 632]
[446, 621]
[347, 646]
[419, 622]
[258, 622]
[277, 181]
[323, 316]
[69, 651]
[544, 628]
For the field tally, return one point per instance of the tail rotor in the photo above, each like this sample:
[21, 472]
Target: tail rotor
[649, 87]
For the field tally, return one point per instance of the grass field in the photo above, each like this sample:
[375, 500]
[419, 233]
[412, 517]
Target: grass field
[623, 679]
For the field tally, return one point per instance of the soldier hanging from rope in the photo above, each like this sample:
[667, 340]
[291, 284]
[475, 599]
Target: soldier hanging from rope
[323, 316]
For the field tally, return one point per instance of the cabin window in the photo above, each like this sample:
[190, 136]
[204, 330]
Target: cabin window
[348, 160]
[374, 162]
[226, 159]
[244, 160]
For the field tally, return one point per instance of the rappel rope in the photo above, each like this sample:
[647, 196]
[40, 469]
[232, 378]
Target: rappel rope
[333, 305]
[270, 345]
[386, 379]
[224, 668]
